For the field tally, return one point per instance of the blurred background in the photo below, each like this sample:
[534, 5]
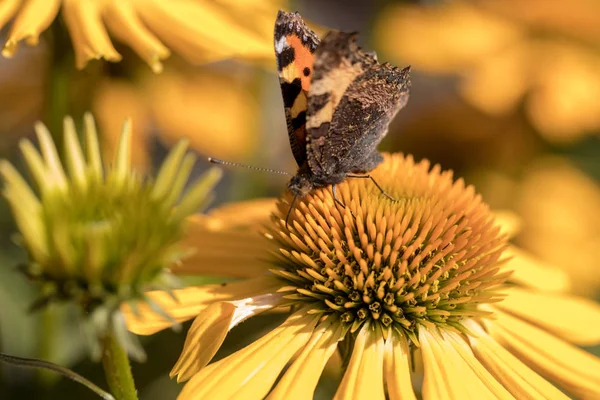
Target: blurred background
[505, 93]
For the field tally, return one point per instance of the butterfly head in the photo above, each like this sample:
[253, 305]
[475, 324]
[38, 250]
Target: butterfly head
[300, 185]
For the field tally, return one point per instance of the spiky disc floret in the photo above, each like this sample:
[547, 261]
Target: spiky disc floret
[100, 236]
[429, 258]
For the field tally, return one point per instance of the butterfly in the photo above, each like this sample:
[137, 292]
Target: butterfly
[338, 101]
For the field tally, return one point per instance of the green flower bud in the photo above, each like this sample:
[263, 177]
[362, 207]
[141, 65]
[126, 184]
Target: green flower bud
[101, 236]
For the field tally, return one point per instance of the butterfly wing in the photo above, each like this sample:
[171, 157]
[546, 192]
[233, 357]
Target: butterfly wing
[351, 102]
[295, 45]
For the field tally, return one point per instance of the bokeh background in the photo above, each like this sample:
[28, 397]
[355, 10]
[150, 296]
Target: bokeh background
[505, 93]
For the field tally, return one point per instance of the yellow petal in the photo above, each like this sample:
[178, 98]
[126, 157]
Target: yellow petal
[89, 36]
[516, 377]
[301, 378]
[436, 382]
[451, 370]
[574, 369]
[203, 339]
[202, 31]
[242, 213]
[123, 22]
[364, 376]
[34, 17]
[510, 222]
[223, 252]
[251, 372]
[8, 8]
[463, 348]
[190, 301]
[396, 368]
[563, 315]
[531, 272]
[256, 15]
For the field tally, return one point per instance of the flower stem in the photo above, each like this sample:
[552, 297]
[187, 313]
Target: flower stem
[47, 344]
[117, 369]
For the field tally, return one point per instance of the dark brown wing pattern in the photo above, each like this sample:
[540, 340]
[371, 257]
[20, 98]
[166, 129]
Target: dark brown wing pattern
[295, 45]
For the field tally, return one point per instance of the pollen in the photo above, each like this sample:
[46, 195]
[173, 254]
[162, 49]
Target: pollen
[429, 258]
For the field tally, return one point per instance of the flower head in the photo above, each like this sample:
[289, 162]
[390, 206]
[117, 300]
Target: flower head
[199, 31]
[100, 236]
[429, 258]
[403, 290]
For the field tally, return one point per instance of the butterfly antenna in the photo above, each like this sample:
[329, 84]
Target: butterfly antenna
[234, 164]
[287, 217]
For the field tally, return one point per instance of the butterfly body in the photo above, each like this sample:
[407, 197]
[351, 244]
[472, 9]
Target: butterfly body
[338, 100]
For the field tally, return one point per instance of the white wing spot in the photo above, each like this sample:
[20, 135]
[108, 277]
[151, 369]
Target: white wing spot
[280, 45]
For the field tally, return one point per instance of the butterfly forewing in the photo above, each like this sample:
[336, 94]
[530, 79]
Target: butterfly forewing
[295, 46]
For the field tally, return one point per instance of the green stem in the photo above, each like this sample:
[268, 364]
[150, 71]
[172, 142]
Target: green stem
[47, 342]
[69, 91]
[117, 369]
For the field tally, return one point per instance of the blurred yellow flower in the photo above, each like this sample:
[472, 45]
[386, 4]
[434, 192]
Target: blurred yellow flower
[217, 112]
[578, 20]
[559, 207]
[22, 84]
[114, 101]
[504, 55]
[393, 283]
[201, 31]
[195, 105]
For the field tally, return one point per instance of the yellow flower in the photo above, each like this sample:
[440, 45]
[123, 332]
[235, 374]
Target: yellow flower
[151, 105]
[405, 289]
[200, 31]
[114, 101]
[219, 96]
[99, 236]
[506, 53]
[559, 206]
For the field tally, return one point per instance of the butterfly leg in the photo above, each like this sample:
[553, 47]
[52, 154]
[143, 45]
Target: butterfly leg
[335, 198]
[368, 176]
[338, 201]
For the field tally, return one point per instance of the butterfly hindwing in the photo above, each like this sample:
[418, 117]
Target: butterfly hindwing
[351, 101]
[337, 64]
[295, 45]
